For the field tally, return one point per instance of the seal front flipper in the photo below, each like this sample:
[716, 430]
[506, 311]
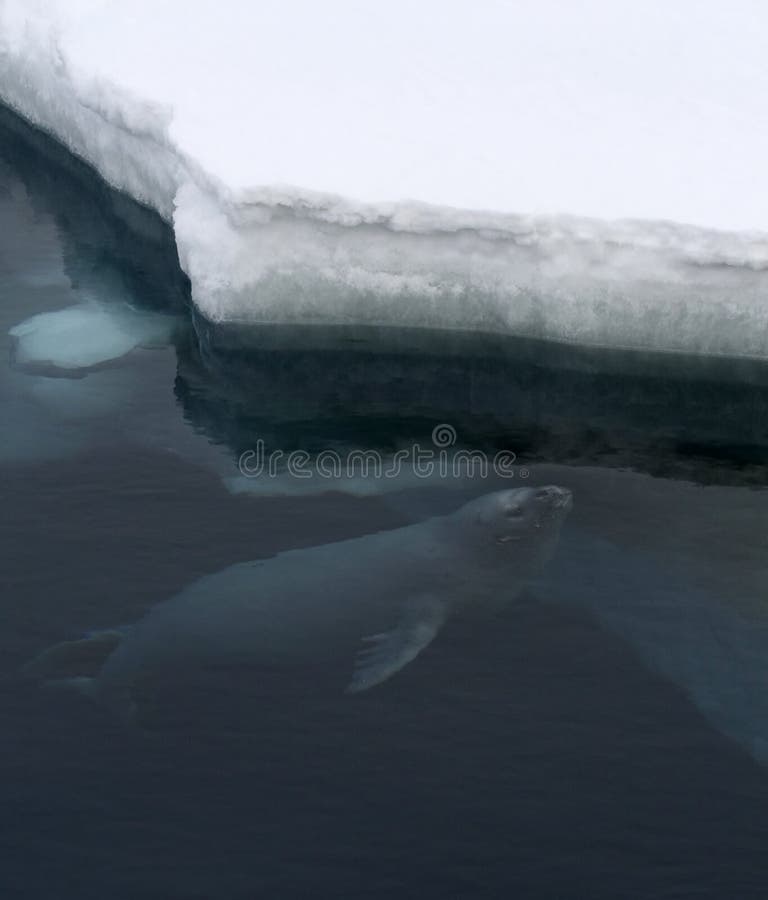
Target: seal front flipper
[391, 650]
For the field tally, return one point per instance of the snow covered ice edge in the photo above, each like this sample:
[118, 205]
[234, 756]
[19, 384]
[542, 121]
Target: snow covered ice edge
[278, 254]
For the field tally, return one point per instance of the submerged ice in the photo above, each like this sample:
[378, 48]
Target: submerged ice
[86, 335]
[679, 575]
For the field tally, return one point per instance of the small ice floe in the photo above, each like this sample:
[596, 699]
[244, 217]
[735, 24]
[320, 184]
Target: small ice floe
[85, 336]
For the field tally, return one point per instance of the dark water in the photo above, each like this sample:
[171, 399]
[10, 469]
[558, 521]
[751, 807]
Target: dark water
[604, 737]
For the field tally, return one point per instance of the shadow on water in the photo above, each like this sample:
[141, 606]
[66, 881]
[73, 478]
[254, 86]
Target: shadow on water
[599, 744]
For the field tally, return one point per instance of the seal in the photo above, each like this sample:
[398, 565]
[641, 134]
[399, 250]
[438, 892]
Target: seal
[382, 598]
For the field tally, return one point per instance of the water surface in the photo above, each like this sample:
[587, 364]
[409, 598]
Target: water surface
[603, 737]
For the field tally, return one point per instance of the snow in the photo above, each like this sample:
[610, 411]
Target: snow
[455, 165]
[599, 108]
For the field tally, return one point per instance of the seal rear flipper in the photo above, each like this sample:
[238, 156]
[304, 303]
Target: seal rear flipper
[84, 656]
[391, 650]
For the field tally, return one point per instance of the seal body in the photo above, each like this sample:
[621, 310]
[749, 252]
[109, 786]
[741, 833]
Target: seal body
[380, 598]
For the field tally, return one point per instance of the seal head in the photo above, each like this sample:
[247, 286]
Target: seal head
[507, 517]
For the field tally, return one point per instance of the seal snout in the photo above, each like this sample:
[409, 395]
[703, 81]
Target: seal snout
[556, 497]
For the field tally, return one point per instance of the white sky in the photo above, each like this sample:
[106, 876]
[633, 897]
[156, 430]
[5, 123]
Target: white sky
[611, 108]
